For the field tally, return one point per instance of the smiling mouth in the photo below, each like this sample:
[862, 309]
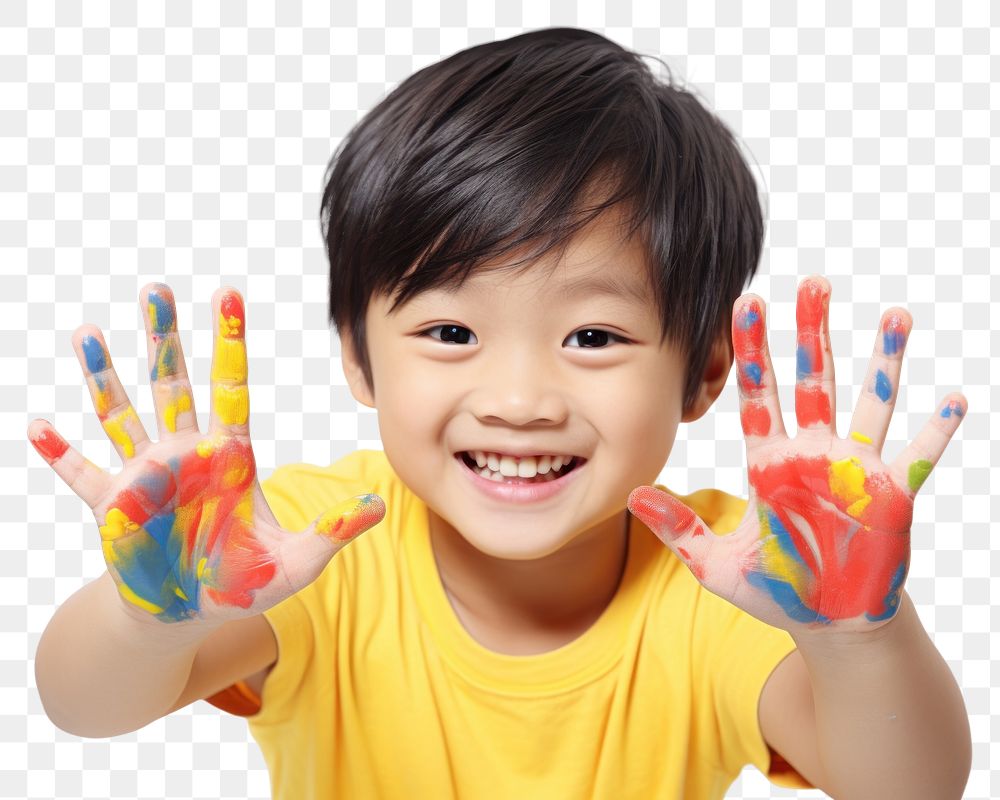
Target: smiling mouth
[498, 477]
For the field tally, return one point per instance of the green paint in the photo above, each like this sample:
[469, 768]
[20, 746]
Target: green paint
[919, 470]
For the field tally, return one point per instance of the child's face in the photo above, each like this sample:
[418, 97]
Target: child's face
[521, 374]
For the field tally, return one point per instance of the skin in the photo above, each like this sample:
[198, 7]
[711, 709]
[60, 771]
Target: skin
[825, 542]
[185, 530]
[527, 578]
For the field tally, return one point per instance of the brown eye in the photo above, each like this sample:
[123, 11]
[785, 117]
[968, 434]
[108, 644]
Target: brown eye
[595, 338]
[451, 334]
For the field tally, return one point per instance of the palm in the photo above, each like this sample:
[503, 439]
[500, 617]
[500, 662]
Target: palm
[825, 541]
[185, 529]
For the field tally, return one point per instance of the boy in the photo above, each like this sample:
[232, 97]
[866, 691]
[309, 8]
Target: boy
[536, 255]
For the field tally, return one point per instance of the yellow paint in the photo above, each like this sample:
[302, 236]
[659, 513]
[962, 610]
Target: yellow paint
[847, 482]
[201, 567]
[229, 361]
[860, 437]
[133, 598]
[179, 403]
[205, 447]
[229, 326]
[115, 428]
[179, 592]
[102, 398]
[231, 404]
[116, 524]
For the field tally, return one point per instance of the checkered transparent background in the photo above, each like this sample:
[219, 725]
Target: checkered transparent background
[143, 143]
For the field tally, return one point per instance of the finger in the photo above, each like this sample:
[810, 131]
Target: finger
[676, 525]
[815, 407]
[760, 411]
[88, 481]
[172, 394]
[914, 464]
[230, 397]
[114, 409]
[877, 399]
[304, 555]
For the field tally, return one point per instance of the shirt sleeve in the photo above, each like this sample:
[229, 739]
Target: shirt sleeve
[743, 655]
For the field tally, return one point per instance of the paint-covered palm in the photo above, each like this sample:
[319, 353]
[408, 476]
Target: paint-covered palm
[825, 541]
[185, 529]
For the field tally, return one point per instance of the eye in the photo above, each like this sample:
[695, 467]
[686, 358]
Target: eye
[450, 334]
[595, 338]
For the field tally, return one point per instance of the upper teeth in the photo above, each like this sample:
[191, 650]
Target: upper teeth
[520, 467]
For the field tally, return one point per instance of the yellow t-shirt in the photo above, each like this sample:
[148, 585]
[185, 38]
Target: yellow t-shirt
[379, 691]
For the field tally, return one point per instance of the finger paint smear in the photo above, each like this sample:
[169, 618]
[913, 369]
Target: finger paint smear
[230, 397]
[812, 404]
[748, 342]
[834, 540]
[184, 528]
[106, 398]
[174, 397]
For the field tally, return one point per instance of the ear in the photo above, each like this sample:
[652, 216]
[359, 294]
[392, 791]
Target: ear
[713, 378]
[355, 375]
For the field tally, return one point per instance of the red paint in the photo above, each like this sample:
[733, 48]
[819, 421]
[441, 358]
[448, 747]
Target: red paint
[857, 558]
[755, 418]
[812, 405]
[232, 306]
[684, 553]
[49, 444]
[809, 312]
[661, 512]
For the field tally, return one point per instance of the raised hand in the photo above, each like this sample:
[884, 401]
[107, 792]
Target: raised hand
[185, 529]
[825, 541]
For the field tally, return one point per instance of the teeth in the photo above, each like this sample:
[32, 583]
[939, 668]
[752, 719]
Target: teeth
[497, 467]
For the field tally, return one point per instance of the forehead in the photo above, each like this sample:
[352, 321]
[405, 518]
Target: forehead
[599, 262]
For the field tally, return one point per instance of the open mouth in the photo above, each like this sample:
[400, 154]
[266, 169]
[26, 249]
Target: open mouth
[545, 469]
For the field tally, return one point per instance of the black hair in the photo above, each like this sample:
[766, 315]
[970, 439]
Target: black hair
[497, 148]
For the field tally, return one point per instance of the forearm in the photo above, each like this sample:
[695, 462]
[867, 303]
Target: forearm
[102, 673]
[890, 717]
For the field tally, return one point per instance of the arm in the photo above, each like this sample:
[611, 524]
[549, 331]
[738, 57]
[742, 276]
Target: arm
[102, 672]
[890, 718]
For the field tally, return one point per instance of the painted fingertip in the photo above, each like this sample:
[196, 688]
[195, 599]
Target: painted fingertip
[160, 307]
[49, 444]
[659, 511]
[895, 329]
[352, 517]
[232, 316]
[94, 354]
[953, 408]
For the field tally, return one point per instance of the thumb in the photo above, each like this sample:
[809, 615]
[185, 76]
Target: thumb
[348, 519]
[676, 525]
[307, 553]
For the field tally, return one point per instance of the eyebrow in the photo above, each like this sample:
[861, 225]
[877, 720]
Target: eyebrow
[608, 285]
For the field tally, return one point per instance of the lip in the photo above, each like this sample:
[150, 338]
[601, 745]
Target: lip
[518, 493]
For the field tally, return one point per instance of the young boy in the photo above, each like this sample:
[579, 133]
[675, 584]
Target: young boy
[537, 252]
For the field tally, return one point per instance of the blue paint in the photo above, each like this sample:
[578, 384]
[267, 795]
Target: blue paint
[164, 313]
[948, 410]
[892, 597]
[784, 595]
[748, 319]
[93, 354]
[803, 364]
[893, 341]
[883, 387]
[752, 371]
[784, 537]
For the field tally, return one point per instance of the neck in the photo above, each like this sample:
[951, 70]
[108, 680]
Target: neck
[525, 607]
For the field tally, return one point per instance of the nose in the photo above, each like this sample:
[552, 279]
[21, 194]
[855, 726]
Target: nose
[520, 386]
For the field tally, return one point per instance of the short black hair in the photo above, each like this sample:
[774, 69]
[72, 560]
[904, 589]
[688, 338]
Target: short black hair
[495, 149]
